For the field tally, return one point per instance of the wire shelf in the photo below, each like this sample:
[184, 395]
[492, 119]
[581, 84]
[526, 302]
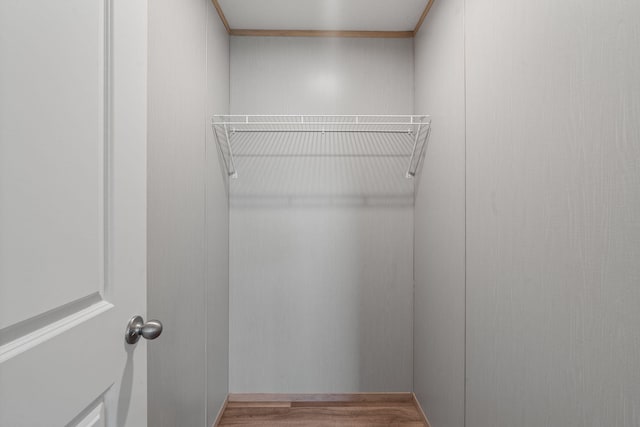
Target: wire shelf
[321, 136]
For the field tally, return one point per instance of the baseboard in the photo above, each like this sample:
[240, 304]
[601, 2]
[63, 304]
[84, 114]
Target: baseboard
[417, 403]
[221, 411]
[320, 397]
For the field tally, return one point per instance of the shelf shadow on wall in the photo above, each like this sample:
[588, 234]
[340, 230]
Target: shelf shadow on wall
[293, 169]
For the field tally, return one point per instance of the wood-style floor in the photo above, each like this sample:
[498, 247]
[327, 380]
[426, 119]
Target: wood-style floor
[368, 409]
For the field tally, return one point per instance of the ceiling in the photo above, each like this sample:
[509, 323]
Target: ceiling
[323, 15]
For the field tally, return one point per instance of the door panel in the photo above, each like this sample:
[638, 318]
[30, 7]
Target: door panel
[52, 160]
[72, 212]
[94, 417]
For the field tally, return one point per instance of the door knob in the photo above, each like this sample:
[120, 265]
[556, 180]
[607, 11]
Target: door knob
[137, 328]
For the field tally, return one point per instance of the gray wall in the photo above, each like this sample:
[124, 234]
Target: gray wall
[217, 221]
[187, 290]
[440, 219]
[321, 262]
[552, 231]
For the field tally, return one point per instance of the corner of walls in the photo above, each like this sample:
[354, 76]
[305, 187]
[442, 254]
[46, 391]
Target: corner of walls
[549, 213]
[217, 219]
[187, 208]
[439, 267]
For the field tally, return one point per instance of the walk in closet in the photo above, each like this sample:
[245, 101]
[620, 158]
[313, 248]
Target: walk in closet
[374, 213]
[410, 197]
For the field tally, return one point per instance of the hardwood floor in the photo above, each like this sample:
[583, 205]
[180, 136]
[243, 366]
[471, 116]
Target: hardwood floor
[360, 409]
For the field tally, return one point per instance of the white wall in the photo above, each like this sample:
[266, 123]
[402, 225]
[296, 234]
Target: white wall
[280, 75]
[439, 320]
[552, 200]
[320, 247]
[187, 290]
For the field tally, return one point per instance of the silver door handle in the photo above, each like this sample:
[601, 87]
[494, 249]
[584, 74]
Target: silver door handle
[137, 328]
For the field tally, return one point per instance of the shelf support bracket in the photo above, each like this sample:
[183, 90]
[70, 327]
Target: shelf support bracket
[233, 173]
[417, 153]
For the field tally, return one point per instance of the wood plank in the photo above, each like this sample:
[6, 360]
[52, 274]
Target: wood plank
[425, 420]
[221, 15]
[223, 407]
[314, 416]
[353, 409]
[323, 33]
[423, 17]
[408, 403]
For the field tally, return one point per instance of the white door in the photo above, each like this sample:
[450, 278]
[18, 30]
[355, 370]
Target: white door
[72, 211]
